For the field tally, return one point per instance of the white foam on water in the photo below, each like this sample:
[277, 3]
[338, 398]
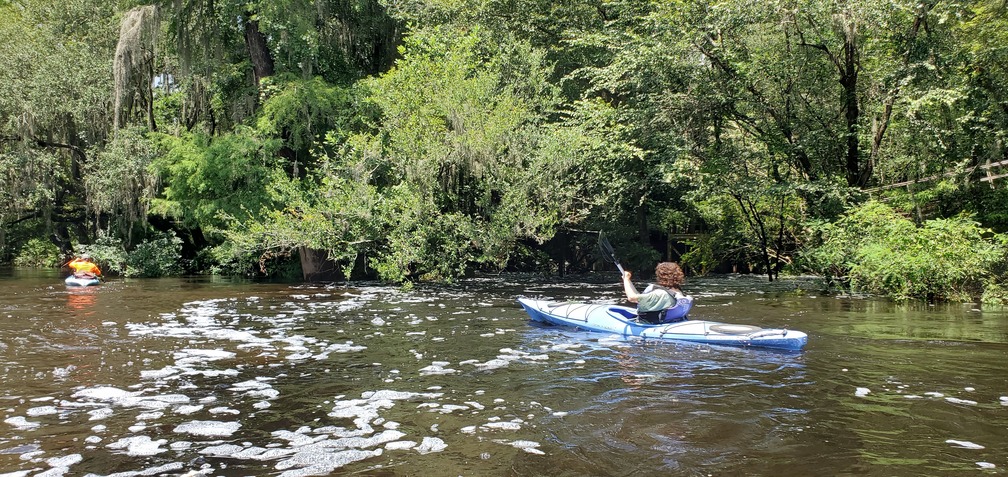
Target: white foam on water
[22, 424]
[20, 473]
[32, 455]
[431, 445]
[321, 461]
[99, 414]
[964, 444]
[961, 401]
[437, 368]
[119, 397]
[297, 439]
[934, 394]
[493, 364]
[172, 467]
[986, 465]
[450, 408]
[348, 347]
[60, 465]
[400, 445]
[106, 394]
[502, 426]
[185, 356]
[138, 446]
[222, 450]
[159, 374]
[250, 452]
[149, 416]
[565, 347]
[527, 446]
[256, 388]
[208, 428]
[862, 392]
[41, 411]
[187, 409]
[224, 410]
[1004, 400]
[63, 373]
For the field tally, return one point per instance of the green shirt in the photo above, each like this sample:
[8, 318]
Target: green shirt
[655, 299]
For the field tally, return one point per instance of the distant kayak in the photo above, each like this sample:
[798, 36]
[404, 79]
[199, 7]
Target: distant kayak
[73, 281]
[621, 320]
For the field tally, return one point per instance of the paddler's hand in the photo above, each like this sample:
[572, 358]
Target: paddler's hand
[626, 276]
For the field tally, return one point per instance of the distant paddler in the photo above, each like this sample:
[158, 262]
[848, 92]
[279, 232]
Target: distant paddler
[84, 267]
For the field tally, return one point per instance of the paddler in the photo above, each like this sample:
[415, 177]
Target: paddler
[83, 267]
[657, 298]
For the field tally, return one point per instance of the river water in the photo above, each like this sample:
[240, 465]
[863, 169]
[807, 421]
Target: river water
[209, 377]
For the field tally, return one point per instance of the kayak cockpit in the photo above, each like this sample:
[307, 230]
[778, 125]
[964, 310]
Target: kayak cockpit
[672, 315]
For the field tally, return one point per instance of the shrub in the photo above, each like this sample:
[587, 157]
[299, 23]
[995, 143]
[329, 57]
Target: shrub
[873, 249]
[38, 253]
[157, 257]
[107, 252]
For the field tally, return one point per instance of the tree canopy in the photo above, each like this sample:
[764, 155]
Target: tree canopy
[432, 139]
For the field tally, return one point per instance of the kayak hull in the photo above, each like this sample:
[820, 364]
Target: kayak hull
[621, 320]
[73, 281]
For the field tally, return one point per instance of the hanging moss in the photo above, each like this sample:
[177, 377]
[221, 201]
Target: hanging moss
[133, 66]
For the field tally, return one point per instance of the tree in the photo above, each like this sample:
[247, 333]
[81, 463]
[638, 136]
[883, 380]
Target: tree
[51, 115]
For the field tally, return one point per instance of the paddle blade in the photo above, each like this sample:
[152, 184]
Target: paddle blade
[607, 250]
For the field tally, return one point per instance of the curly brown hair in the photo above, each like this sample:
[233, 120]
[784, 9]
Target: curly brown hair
[670, 275]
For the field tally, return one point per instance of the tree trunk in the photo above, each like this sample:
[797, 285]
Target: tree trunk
[857, 176]
[259, 54]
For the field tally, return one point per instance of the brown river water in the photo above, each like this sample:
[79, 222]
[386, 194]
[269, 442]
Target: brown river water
[196, 376]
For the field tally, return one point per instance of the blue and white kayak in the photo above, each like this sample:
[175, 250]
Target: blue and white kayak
[73, 281]
[621, 320]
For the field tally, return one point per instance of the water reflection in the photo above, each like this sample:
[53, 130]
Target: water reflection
[81, 301]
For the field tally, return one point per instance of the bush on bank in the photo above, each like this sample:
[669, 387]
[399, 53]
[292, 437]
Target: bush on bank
[874, 249]
[158, 256]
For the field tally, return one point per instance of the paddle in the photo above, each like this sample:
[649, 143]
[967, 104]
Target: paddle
[608, 251]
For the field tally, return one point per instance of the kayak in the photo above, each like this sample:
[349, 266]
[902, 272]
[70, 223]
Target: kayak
[73, 281]
[621, 320]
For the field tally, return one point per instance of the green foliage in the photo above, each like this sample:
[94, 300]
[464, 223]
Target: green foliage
[157, 257]
[466, 168]
[118, 180]
[38, 253]
[301, 111]
[108, 253]
[500, 123]
[207, 179]
[337, 40]
[876, 250]
[335, 215]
